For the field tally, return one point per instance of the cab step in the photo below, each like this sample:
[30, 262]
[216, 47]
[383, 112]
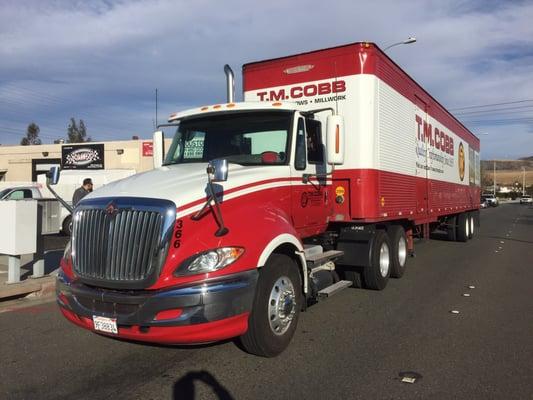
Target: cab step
[334, 289]
[320, 258]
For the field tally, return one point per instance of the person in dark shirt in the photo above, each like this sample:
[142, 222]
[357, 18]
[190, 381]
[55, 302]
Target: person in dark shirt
[82, 191]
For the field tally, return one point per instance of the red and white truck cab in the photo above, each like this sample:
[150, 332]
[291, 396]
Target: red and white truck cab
[317, 182]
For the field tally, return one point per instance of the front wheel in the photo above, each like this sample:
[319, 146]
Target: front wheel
[276, 308]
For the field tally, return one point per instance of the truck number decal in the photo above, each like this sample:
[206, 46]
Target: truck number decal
[178, 233]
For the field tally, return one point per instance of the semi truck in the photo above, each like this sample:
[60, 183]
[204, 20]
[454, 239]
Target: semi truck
[319, 180]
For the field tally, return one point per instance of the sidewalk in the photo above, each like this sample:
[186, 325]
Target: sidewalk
[39, 286]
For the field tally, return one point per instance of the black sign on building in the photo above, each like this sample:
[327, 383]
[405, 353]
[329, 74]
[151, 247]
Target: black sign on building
[82, 156]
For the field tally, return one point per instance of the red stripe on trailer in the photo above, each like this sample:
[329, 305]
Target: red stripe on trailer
[377, 195]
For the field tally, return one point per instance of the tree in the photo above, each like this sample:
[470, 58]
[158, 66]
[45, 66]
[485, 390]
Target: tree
[77, 133]
[32, 135]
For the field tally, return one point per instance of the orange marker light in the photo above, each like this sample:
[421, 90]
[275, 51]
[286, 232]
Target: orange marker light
[231, 105]
[204, 108]
[217, 106]
[277, 104]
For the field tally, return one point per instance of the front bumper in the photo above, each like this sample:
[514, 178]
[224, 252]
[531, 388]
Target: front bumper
[210, 311]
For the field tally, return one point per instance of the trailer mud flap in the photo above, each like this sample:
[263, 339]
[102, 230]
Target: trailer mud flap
[356, 242]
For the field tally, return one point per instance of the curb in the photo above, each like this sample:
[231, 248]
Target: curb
[38, 287]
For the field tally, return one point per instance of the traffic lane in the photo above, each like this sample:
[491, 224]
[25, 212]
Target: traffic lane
[353, 345]
[357, 343]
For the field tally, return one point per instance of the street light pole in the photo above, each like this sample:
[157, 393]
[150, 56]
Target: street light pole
[409, 40]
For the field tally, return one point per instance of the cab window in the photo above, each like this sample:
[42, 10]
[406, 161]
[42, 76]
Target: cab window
[299, 162]
[315, 148]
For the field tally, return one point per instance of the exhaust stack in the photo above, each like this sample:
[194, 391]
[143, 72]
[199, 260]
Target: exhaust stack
[230, 83]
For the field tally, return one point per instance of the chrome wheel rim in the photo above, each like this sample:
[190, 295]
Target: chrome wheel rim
[281, 305]
[467, 227]
[472, 226]
[402, 251]
[384, 259]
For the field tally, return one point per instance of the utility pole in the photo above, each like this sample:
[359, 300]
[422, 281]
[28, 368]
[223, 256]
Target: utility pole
[523, 181]
[494, 179]
[156, 108]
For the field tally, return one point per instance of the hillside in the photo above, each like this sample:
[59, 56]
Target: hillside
[508, 164]
[508, 172]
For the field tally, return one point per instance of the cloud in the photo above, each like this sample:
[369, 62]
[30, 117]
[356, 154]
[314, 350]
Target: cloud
[102, 60]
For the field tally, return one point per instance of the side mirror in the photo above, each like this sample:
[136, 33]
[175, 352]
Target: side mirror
[335, 139]
[158, 146]
[218, 170]
[52, 176]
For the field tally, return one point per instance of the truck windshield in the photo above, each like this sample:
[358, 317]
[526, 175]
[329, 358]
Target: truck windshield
[246, 138]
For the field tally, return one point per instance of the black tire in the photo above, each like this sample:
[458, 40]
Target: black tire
[471, 226]
[398, 241]
[67, 226]
[354, 277]
[372, 274]
[451, 228]
[261, 338]
[462, 227]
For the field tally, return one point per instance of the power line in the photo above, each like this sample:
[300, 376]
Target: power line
[496, 110]
[510, 121]
[489, 105]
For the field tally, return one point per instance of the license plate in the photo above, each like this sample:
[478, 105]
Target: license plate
[104, 324]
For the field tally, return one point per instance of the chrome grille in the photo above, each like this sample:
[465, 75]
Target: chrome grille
[124, 245]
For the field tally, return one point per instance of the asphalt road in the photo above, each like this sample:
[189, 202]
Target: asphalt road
[355, 345]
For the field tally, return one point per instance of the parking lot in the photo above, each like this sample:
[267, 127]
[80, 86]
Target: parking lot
[358, 344]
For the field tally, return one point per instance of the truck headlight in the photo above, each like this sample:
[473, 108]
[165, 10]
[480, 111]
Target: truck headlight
[210, 261]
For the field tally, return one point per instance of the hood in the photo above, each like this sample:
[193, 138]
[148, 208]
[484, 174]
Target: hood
[185, 183]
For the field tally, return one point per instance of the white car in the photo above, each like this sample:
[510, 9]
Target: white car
[491, 200]
[526, 199]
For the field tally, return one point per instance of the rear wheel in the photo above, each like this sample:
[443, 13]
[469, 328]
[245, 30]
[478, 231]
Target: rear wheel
[376, 274]
[463, 227]
[451, 228]
[471, 222]
[277, 304]
[398, 257]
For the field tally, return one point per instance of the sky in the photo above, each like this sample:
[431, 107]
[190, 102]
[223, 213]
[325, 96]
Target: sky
[102, 60]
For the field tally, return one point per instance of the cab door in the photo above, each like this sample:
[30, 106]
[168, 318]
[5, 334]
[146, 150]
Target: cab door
[311, 205]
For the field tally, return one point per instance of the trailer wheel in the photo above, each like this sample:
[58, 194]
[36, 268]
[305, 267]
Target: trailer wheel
[376, 275]
[463, 227]
[66, 227]
[471, 223]
[276, 308]
[398, 257]
[452, 228]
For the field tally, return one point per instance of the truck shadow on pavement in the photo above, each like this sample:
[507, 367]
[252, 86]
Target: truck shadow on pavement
[184, 388]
